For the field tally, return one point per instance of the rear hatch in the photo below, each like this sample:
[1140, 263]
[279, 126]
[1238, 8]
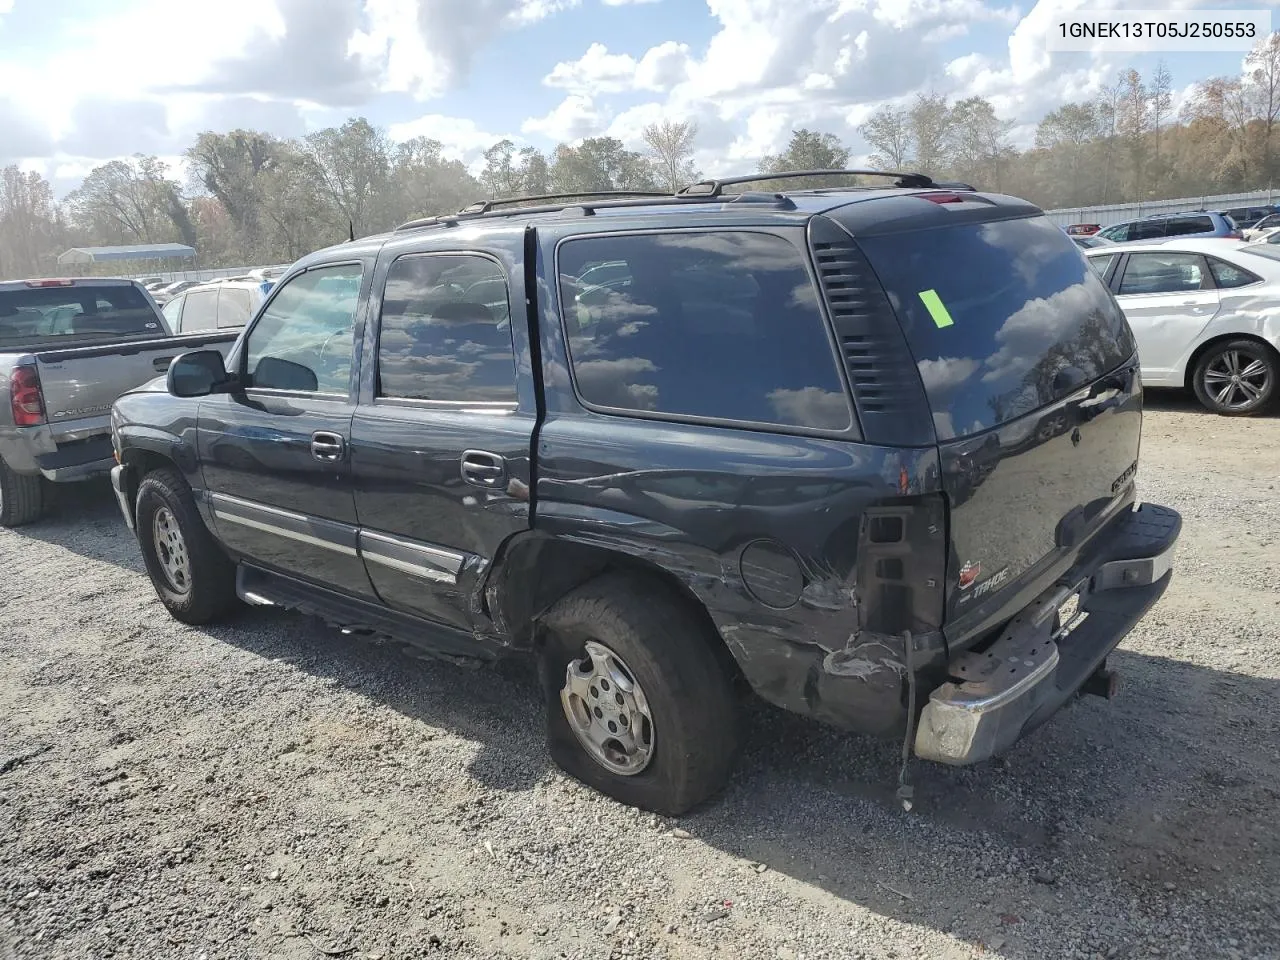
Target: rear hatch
[1031, 375]
[93, 340]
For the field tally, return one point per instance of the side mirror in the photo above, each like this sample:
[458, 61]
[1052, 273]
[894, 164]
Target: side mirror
[197, 374]
[276, 374]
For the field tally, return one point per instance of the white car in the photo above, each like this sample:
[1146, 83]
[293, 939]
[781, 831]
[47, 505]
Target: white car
[1262, 227]
[1206, 315]
[217, 305]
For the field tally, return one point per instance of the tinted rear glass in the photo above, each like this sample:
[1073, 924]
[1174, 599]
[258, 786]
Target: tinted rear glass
[49, 316]
[717, 325]
[1029, 320]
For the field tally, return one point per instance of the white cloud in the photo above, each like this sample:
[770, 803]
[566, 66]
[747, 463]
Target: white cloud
[627, 3]
[460, 138]
[598, 71]
[574, 118]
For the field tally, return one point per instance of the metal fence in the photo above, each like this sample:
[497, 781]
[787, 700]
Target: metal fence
[1120, 212]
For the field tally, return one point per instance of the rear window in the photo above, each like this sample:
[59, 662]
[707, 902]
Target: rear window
[48, 316]
[1002, 318]
[717, 325]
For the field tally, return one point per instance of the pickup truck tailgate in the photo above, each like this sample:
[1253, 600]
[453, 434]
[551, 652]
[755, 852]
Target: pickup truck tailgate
[81, 382]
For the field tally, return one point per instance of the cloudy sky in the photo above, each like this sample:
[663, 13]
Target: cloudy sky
[83, 81]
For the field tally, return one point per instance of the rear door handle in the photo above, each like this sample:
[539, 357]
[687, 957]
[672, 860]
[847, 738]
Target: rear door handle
[161, 363]
[483, 469]
[326, 446]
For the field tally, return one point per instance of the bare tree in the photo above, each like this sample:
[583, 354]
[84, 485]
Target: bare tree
[1262, 70]
[930, 122]
[1160, 97]
[888, 130]
[670, 145]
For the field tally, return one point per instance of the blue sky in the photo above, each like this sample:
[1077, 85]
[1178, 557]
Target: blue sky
[84, 81]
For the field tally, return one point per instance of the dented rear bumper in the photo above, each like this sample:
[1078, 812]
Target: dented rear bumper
[1050, 649]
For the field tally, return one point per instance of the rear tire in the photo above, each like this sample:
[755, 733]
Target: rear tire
[1237, 378]
[686, 697]
[21, 497]
[193, 577]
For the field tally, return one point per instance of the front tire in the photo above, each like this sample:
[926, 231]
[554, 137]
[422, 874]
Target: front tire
[1237, 378]
[21, 497]
[639, 706]
[194, 579]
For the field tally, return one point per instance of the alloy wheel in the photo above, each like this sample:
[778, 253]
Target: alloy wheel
[171, 550]
[607, 710]
[1237, 379]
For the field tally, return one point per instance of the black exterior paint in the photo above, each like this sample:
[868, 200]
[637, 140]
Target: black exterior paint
[814, 554]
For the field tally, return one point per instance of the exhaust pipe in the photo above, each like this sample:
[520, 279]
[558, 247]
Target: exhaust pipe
[1102, 683]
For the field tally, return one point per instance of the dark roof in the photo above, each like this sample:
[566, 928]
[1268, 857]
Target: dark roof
[137, 251]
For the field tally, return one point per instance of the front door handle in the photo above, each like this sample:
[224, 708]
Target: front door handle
[482, 469]
[326, 446]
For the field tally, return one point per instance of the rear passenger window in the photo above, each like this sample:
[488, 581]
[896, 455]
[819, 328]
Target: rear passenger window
[445, 331]
[1162, 273]
[1147, 229]
[234, 307]
[201, 311]
[719, 326]
[1229, 275]
[1101, 264]
[1183, 226]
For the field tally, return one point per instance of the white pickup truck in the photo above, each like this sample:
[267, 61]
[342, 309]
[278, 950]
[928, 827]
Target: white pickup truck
[68, 349]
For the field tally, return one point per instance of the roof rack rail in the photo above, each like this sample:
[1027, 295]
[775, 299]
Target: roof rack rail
[715, 188]
[484, 206]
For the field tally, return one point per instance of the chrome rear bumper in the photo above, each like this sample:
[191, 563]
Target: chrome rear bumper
[997, 695]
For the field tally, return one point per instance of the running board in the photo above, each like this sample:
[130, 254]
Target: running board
[264, 588]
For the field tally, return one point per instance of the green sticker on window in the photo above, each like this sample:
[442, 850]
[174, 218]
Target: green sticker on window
[937, 309]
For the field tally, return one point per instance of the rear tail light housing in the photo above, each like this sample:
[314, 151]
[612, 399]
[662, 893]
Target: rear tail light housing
[26, 398]
[51, 283]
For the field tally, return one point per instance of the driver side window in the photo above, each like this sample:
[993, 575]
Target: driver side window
[303, 340]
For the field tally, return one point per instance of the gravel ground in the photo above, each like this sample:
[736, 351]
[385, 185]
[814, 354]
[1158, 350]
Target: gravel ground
[273, 789]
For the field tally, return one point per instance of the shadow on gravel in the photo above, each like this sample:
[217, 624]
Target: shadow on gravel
[1183, 401]
[1156, 801]
[85, 519]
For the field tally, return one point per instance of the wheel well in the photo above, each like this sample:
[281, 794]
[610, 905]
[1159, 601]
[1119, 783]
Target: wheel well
[537, 571]
[1201, 350]
[140, 464]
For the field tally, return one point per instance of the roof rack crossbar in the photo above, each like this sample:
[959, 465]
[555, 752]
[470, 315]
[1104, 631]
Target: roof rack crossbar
[715, 188]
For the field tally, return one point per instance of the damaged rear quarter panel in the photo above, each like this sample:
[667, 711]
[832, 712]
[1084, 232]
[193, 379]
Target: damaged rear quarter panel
[819, 633]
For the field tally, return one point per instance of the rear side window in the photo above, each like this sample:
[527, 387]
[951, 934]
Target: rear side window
[54, 316]
[1148, 229]
[1119, 233]
[1229, 275]
[1102, 263]
[717, 325]
[234, 307]
[201, 311]
[1002, 318]
[1162, 273]
[1183, 226]
[445, 331]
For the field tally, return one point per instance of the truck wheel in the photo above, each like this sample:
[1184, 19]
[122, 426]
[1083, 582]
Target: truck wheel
[1237, 378]
[638, 705]
[193, 577]
[21, 497]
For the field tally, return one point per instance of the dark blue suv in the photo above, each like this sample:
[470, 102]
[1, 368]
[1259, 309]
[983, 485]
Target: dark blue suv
[868, 452]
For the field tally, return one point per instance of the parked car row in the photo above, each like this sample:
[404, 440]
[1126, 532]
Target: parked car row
[1238, 223]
